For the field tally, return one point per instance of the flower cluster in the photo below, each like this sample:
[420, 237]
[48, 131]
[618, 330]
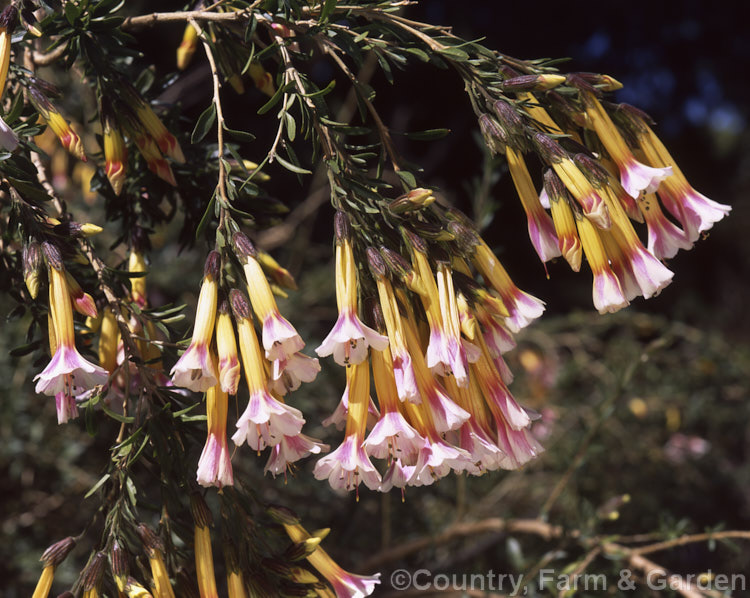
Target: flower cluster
[273, 366]
[595, 191]
[443, 402]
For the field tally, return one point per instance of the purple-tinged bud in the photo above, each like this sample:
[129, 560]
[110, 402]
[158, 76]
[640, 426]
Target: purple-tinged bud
[494, 136]
[200, 511]
[342, 227]
[151, 541]
[92, 574]
[508, 72]
[55, 554]
[240, 304]
[119, 559]
[549, 149]
[602, 82]
[52, 255]
[396, 263]
[532, 82]
[509, 118]
[376, 263]
[8, 19]
[414, 241]
[465, 238]
[213, 265]
[243, 246]
[579, 82]
[594, 171]
[554, 187]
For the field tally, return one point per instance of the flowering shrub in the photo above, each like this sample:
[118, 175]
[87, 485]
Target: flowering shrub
[426, 311]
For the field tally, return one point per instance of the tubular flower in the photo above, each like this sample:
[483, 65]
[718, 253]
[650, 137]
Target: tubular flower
[204, 559]
[115, 153]
[109, 339]
[290, 450]
[82, 302]
[349, 339]
[153, 126]
[155, 553]
[634, 176]
[60, 127]
[345, 584]
[349, 464]
[392, 437]
[226, 344]
[406, 382]
[523, 307]
[187, 47]
[608, 295]
[196, 369]
[563, 220]
[215, 464]
[149, 149]
[694, 211]
[665, 239]
[51, 558]
[7, 24]
[68, 373]
[265, 421]
[541, 228]
[262, 79]
[280, 338]
[576, 181]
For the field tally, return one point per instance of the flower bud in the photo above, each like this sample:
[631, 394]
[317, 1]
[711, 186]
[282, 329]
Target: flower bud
[187, 47]
[602, 82]
[240, 304]
[7, 24]
[212, 266]
[494, 136]
[29, 21]
[532, 82]
[151, 541]
[594, 171]
[52, 255]
[465, 238]
[376, 263]
[282, 515]
[32, 265]
[92, 574]
[415, 199]
[115, 151]
[119, 564]
[548, 148]
[243, 246]
[55, 554]
[342, 227]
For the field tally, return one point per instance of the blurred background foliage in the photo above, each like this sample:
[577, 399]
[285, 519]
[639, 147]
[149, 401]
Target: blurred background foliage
[651, 402]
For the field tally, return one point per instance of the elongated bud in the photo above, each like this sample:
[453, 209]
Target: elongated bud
[119, 564]
[275, 271]
[92, 574]
[508, 118]
[213, 265]
[134, 589]
[55, 554]
[115, 151]
[602, 82]
[494, 135]
[580, 82]
[414, 241]
[52, 255]
[188, 45]
[282, 515]
[341, 227]
[532, 82]
[32, 266]
[89, 229]
[69, 139]
[7, 24]
[465, 238]
[263, 80]
[243, 246]
[200, 511]
[416, 199]
[149, 149]
[29, 21]
[549, 149]
[83, 303]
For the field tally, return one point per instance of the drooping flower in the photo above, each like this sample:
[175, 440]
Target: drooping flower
[149, 149]
[115, 151]
[349, 340]
[280, 338]
[226, 345]
[665, 238]
[541, 228]
[634, 175]
[563, 220]
[196, 368]
[215, 464]
[154, 547]
[289, 374]
[607, 293]
[349, 465]
[68, 372]
[204, 559]
[69, 139]
[266, 420]
[345, 584]
[290, 450]
[51, 558]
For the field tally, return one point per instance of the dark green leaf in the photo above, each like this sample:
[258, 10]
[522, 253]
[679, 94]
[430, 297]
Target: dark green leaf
[428, 135]
[203, 126]
[328, 7]
[292, 167]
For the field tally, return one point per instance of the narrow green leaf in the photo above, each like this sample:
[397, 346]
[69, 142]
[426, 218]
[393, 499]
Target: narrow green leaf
[427, 135]
[273, 101]
[292, 167]
[239, 135]
[120, 418]
[328, 7]
[455, 54]
[207, 215]
[203, 126]
[98, 485]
